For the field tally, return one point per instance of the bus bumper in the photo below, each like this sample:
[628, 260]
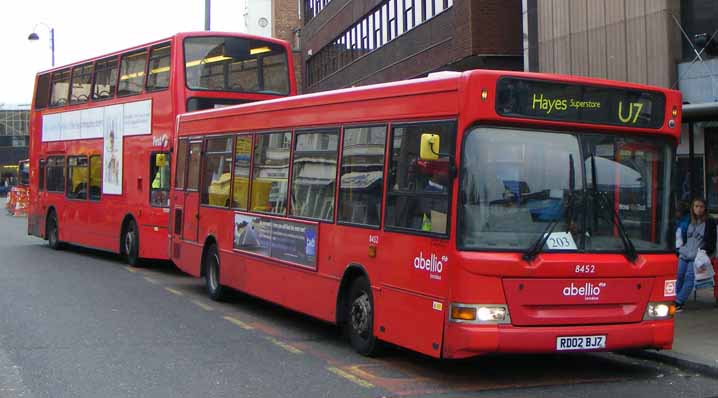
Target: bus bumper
[463, 341]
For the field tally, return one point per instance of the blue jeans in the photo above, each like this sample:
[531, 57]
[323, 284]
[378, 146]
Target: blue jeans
[685, 280]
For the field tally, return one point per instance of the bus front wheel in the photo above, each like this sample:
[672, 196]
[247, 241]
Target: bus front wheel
[131, 243]
[360, 318]
[215, 290]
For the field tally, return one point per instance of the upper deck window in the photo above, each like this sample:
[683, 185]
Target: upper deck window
[159, 72]
[132, 73]
[81, 83]
[235, 64]
[60, 88]
[42, 91]
[105, 79]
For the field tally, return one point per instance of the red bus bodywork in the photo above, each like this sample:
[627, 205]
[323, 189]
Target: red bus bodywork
[102, 223]
[411, 307]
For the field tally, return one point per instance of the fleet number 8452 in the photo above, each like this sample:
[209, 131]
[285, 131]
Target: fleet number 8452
[585, 269]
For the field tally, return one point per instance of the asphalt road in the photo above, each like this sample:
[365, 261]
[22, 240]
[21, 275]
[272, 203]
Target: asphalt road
[79, 323]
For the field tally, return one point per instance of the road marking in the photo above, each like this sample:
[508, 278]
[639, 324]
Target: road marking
[150, 280]
[202, 305]
[130, 269]
[173, 291]
[283, 345]
[238, 323]
[350, 377]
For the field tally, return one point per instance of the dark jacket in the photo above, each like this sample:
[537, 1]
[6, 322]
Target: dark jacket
[709, 240]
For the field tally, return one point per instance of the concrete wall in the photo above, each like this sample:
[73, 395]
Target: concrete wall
[629, 40]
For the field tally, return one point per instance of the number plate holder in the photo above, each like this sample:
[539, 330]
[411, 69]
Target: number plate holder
[580, 343]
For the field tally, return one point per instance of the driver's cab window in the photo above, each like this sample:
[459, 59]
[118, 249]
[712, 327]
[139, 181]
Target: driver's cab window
[418, 190]
[160, 179]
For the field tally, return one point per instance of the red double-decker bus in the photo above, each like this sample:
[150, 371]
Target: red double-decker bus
[102, 131]
[455, 215]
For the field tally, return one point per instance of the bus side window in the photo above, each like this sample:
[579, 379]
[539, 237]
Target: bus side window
[81, 83]
[160, 179]
[105, 79]
[418, 190]
[60, 89]
[314, 174]
[195, 150]
[132, 73]
[181, 168]
[42, 92]
[159, 71]
[240, 176]
[361, 182]
[56, 174]
[77, 177]
[41, 176]
[95, 177]
[271, 171]
[217, 172]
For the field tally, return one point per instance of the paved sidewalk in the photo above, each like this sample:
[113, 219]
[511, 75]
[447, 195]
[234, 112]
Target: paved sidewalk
[695, 345]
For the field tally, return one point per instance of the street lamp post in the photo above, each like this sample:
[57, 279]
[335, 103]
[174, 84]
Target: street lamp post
[33, 36]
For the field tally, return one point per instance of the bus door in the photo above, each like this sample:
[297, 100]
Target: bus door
[191, 194]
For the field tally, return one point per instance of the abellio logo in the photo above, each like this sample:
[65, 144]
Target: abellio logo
[431, 264]
[588, 291]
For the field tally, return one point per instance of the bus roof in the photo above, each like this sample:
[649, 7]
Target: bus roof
[444, 82]
[177, 36]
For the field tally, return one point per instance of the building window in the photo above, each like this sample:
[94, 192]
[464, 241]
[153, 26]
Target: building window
[418, 190]
[56, 174]
[271, 171]
[314, 173]
[361, 181]
[77, 168]
[217, 172]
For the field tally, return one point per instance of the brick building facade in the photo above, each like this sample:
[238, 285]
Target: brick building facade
[357, 42]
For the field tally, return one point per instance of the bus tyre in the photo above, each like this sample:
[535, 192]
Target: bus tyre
[360, 318]
[53, 233]
[215, 290]
[131, 243]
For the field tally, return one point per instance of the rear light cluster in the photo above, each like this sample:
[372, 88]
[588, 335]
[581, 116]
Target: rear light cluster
[480, 313]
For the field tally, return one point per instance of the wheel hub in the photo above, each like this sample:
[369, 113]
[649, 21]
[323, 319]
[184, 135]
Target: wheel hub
[360, 312]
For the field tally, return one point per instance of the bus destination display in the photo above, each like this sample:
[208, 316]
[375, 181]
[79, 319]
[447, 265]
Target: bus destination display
[538, 99]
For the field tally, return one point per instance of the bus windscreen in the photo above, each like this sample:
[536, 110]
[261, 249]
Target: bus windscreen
[236, 64]
[539, 99]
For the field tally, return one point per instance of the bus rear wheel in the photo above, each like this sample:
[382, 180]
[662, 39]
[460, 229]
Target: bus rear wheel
[360, 318]
[131, 243]
[53, 233]
[215, 290]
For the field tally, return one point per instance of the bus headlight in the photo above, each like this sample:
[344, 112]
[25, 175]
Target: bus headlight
[656, 311]
[479, 313]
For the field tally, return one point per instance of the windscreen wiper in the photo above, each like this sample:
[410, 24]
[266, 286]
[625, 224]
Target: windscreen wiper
[566, 210]
[630, 250]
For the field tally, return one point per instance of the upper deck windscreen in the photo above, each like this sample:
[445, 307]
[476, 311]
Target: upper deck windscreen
[237, 65]
[537, 99]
